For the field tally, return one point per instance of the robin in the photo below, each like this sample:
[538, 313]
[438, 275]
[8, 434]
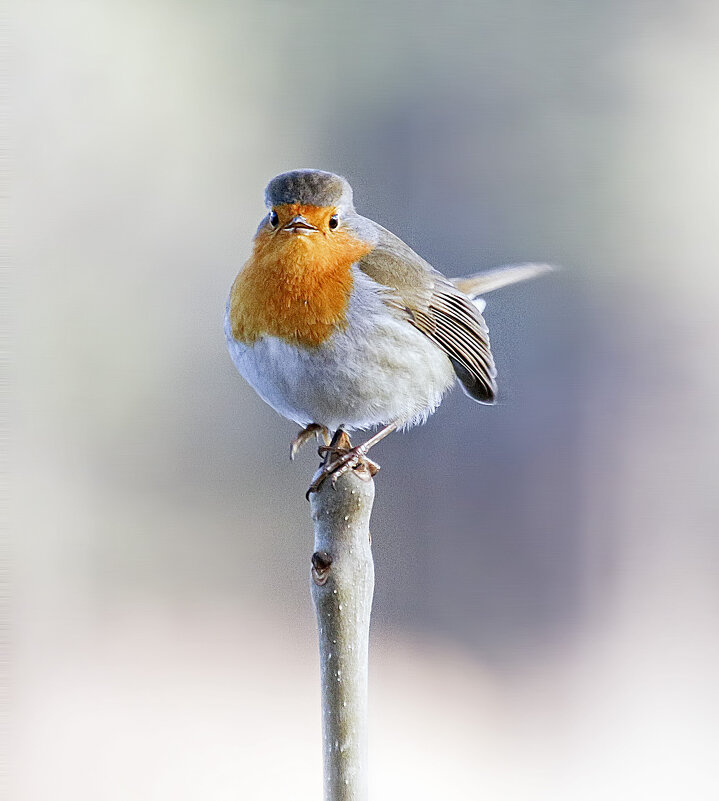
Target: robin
[339, 325]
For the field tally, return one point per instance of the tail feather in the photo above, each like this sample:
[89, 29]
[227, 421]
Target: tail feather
[482, 283]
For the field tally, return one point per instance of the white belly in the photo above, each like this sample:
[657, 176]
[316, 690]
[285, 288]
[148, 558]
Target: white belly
[378, 370]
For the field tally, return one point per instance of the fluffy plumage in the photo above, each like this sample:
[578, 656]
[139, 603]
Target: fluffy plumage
[295, 287]
[336, 321]
[375, 370]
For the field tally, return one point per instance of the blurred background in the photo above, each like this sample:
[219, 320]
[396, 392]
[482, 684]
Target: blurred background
[545, 620]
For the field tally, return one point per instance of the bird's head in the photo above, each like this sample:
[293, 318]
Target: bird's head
[296, 285]
[307, 203]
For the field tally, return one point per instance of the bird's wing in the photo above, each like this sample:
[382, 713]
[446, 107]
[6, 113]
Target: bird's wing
[437, 308]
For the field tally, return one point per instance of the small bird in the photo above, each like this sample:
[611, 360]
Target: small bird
[339, 325]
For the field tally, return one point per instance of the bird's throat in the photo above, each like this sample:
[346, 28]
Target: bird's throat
[295, 286]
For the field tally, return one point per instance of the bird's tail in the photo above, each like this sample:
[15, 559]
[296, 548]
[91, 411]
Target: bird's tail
[482, 283]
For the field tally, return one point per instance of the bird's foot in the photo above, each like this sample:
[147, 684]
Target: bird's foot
[344, 460]
[339, 458]
[312, 430]
[348, 458]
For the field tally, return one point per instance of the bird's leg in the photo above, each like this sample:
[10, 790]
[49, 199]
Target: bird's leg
[338, 446]
[312, 430]
[348, 458]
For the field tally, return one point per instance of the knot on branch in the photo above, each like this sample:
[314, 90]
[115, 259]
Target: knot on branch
[321, 563]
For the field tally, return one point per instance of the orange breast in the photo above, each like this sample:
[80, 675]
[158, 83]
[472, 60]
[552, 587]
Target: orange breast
[295, 287]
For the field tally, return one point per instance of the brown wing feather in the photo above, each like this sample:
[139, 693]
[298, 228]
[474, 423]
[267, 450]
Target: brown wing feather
[438, 309]
[461, 332]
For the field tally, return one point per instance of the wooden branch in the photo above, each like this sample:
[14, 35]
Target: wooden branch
[342, 587]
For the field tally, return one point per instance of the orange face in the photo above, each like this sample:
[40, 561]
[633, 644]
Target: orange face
[297, 282]
[293, 218]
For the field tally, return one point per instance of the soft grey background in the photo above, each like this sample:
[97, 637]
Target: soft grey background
[546, 602]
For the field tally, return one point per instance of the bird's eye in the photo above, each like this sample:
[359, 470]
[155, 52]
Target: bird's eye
[334, 221]
[274, 219]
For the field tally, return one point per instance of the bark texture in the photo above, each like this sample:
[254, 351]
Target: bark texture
[342, 587]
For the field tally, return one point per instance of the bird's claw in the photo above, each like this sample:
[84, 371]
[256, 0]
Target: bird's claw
[312, 430]
[363, 467]
[346, 459]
